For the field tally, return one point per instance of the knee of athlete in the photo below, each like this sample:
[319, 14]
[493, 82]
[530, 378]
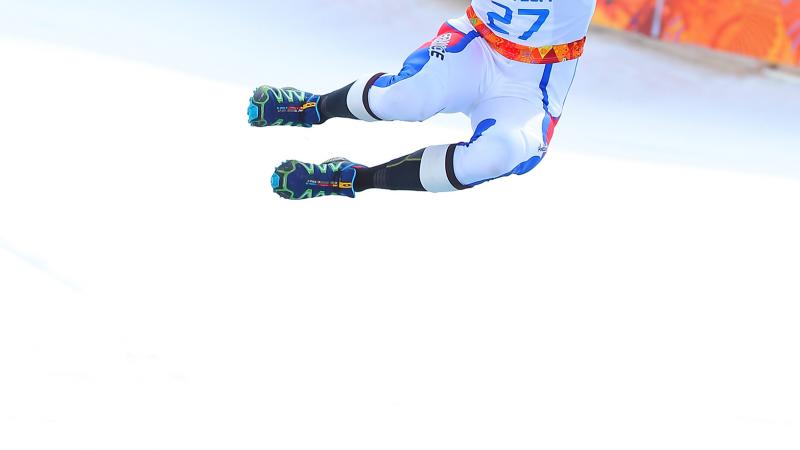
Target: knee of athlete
[504, 151]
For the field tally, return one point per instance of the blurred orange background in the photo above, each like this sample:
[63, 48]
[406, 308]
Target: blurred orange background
[764, 29]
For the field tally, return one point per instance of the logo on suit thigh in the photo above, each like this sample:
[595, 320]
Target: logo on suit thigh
[438, 47]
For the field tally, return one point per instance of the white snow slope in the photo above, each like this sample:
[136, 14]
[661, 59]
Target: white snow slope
[638, 290]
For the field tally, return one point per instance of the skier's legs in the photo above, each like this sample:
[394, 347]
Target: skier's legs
[513, 124]
[444, 75]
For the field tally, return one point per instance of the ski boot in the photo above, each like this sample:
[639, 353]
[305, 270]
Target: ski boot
[271, 106]
[295, 180]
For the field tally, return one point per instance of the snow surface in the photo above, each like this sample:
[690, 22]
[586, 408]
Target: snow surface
[638, 290]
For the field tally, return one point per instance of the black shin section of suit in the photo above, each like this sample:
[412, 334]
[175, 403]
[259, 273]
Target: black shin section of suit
[335, 105]
[402, 174]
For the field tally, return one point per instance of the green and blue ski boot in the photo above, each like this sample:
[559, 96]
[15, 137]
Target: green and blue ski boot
[295, 180]
[270, 106]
